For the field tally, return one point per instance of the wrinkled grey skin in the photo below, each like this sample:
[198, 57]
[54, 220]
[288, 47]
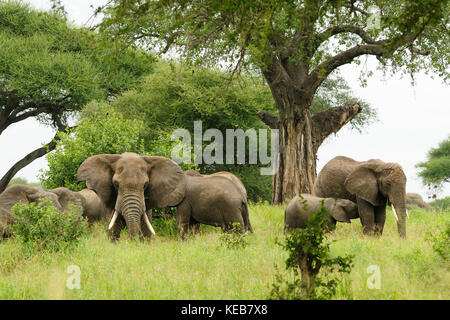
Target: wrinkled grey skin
[132, 185]
[69, 200]
[370, 184]
[88, 202]
[24, 194]
[220, 216]
[299, 209]
[94, 208]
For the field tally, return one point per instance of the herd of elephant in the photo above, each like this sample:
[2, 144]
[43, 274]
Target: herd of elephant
[125, 188]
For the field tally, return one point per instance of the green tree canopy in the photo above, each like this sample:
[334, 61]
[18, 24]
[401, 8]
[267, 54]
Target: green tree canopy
[295, 46]
[175, 95]
[435, 171]
[49, 70]
[105, 131]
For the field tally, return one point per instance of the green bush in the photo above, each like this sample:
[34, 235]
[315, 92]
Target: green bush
[308, 254]
[441, 242]
[234, 238]
[441, 204]
[43, 228]
[104, 131]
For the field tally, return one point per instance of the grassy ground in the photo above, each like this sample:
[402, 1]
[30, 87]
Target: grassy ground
[204, 268]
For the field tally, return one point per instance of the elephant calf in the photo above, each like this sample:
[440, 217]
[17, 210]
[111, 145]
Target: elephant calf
[300, 208]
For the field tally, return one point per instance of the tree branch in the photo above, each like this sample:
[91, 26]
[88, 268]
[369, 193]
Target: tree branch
[332, 120]
[269, 119]
[28, 159]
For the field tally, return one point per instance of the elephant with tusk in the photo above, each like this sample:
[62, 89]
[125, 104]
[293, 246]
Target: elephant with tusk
[371, 185]
[131, 185]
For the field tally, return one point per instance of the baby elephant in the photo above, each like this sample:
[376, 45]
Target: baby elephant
[300, 208]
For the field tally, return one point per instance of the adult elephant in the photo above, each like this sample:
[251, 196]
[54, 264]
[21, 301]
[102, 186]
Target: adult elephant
[370, 184]
[91, 206]
[131, 185]
[25, 195]
[239, 186]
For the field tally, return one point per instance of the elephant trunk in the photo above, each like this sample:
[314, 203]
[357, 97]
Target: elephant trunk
[399, 210]
[132, 210]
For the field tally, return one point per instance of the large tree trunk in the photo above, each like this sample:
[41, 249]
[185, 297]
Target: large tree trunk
[297, 160]
[300, 139]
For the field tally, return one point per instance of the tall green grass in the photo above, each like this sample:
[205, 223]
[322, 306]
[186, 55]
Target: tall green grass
[203, 268]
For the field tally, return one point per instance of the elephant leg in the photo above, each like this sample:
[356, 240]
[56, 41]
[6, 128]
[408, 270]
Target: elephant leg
[145, 231]
[194, 226]
[183, 219]
[380, 218]
[367, 216]
[114, 233]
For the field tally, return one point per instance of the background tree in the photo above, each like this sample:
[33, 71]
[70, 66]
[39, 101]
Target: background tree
[175, 95]
[104, 131]
[296, 46]
[49, 70]
[436, 170]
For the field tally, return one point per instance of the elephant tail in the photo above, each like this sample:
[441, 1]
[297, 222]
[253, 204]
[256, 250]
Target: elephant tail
[245, 216]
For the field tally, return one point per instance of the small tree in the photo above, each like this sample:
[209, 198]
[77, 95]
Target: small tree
[309, 253]
[43, 228]
[436, 170]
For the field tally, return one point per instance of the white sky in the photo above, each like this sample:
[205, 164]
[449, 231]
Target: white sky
[411, 119]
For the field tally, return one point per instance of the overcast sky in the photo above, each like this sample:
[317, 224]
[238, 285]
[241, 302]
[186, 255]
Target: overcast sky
[412, 119]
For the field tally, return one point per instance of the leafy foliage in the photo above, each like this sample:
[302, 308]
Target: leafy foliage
[441, 204]
[234, 238]
[441, 242]
[43, 228]
[311, 33]
[436, 170]
[102, 132]
[50, 70]
[308, 253]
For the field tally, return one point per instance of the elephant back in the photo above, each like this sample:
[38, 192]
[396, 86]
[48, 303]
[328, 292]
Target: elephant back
[330, 180]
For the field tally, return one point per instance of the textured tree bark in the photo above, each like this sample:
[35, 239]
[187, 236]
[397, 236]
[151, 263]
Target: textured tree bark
[297, 160]
[300, 139]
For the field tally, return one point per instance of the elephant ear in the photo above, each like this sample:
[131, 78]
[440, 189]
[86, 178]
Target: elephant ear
[98, 171]
[362, 182]
[166, 182]
[337, 212]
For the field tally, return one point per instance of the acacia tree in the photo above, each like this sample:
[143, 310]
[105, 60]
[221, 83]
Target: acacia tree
[295, 45]
[48, 71]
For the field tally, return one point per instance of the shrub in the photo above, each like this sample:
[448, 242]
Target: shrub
[309, 253]
[234, 238]
[441, 204]
[104, 131]
[441, 242]
[43, 228]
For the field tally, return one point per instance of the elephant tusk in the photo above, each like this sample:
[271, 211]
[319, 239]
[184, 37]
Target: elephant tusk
[407, 214]
[113, 220]
[394, 212]
[149, 225]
